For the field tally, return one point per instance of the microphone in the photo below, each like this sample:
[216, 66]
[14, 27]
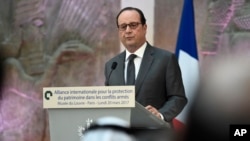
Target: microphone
[114, 64]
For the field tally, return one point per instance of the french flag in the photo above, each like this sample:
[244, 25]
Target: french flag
[186, 52]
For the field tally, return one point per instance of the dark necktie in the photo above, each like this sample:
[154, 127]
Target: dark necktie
[131, 70]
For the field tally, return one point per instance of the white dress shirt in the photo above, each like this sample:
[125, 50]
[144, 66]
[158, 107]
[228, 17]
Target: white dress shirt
[137, 61]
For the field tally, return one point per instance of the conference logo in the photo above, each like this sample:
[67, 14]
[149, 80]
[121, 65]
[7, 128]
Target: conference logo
[47, 95]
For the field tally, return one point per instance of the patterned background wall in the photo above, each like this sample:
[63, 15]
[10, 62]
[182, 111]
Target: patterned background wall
[66, 43]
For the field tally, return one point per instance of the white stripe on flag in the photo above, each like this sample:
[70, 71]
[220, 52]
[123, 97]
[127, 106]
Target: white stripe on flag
[190, 75]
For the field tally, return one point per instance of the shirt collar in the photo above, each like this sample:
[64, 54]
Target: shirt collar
[139, 52]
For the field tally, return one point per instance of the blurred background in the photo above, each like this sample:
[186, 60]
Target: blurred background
[45, 43]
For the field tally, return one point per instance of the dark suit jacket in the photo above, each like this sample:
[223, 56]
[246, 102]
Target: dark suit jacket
[159, 82]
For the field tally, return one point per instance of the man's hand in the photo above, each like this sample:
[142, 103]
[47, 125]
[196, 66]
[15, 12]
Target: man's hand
[154, 111]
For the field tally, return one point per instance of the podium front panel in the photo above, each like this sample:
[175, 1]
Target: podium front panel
[69, 124]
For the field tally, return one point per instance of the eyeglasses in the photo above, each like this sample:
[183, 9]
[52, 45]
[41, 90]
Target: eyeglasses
[132, 25]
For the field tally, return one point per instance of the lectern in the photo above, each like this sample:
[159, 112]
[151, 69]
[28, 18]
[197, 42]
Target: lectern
[73, 112]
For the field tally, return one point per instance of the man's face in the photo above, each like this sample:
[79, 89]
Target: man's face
[133, 35]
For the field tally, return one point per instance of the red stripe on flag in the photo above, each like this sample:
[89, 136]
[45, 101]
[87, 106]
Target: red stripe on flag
[178, 125]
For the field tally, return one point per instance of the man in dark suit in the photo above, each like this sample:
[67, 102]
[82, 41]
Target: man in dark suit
[158, 81]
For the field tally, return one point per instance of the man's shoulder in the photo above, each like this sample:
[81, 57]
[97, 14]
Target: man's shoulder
[161, 51]
[115, 58]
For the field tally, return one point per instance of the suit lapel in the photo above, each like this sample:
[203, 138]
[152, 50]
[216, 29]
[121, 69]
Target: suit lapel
[144, 68]
[120, 68]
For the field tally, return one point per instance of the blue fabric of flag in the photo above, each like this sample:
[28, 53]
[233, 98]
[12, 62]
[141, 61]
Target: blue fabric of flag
[186, 40]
